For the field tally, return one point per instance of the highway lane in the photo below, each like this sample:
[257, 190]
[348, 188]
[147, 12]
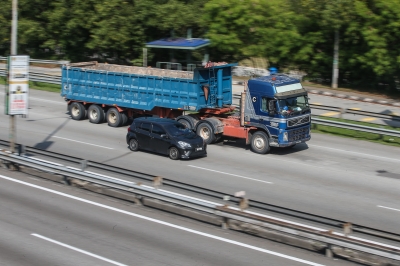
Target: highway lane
[44, 223]
[340, 178]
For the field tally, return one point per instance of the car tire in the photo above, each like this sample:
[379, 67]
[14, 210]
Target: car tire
[96, 114]
[133, 145]
[114, 118]
[205, 131]
[260, 143]
[174, 153]
[77, 110]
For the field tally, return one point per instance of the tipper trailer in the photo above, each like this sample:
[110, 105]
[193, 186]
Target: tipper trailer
[274, 109]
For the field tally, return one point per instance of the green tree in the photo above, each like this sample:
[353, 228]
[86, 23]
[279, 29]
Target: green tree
[252, 28]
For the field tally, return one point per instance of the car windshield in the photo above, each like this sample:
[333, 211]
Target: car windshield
[293, 106]
[178, 130]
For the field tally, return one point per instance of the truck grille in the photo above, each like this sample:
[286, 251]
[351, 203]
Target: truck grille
[299, 120]
[298, 134]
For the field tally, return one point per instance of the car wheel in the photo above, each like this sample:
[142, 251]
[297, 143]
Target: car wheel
[96, 114]
[133, 145]
[174, 153]
[77, 110]
[205, 131]
[260, 143]
[114, 118]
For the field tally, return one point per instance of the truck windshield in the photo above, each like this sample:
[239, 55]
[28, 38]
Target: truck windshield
[293, 106]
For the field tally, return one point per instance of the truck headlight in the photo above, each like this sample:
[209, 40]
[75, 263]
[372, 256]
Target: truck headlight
[184, 145]
[285, 136]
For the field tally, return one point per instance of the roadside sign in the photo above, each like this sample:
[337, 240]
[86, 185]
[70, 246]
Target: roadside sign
[18, 85]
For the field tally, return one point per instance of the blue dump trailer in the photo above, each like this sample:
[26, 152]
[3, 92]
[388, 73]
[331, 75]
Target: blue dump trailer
[274, 109]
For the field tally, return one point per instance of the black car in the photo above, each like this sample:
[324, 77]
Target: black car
[165, 136]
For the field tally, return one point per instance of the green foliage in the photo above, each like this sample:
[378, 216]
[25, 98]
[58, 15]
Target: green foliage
[287, 33]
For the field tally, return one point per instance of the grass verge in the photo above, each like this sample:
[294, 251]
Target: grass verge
[381, 139]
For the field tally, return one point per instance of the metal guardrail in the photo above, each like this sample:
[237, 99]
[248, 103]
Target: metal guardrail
[232, 216]
[40, 61]
[39, 77]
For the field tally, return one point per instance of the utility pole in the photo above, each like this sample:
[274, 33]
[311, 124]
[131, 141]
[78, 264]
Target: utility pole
[335, 72]
[14, 25]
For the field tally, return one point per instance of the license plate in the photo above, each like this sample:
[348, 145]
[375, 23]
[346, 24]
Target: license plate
[199, 149]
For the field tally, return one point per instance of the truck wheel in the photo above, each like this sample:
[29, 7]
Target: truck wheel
[133, 145]
[114, 118]
[185, 123]
[260, 143]
[124, 119]
[77, 110]
[96, 114]
[174, 153]
[205, 131]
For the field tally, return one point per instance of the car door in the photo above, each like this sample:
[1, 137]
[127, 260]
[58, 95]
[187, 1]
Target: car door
[157, 142]
[143, 135]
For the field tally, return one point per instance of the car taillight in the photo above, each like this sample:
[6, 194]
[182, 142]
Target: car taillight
[129, 129]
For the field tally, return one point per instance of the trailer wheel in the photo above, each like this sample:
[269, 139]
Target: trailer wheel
[96, 114]
[174, 153]
[77, 110]
[114, 118]
[185, 123]
[124, 119]
[205, 131]
[260, 143]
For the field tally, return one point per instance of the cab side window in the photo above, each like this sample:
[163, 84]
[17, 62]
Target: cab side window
[264, 104]
[157, 130]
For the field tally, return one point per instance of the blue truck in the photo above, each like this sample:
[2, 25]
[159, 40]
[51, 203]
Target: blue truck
[274, 110]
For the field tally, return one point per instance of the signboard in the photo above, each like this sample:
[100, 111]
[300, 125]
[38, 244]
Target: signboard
[18, 85]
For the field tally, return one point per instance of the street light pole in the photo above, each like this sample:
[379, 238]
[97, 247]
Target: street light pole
[14, 25]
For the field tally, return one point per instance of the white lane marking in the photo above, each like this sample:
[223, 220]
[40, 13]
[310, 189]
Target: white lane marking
[393, 209]
[230, 174]
[358, 153]
[83, 142]
[79, 250]
[164, 223]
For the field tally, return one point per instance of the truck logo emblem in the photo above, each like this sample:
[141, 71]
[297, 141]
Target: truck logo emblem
[254, 99]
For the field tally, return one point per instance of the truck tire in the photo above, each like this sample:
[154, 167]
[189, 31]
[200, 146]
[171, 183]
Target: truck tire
[77, 110]
[114, 118]
[124, 119]
[260, 143]
[174, 153]
[96, 114]
[185, 123]
[205, 131]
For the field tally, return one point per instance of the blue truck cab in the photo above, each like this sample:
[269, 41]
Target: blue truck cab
[278, 104]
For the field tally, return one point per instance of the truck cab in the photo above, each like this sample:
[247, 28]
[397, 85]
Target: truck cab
[278, 105]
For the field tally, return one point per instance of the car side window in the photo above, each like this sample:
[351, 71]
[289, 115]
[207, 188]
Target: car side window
[158, 130]
[145, 126]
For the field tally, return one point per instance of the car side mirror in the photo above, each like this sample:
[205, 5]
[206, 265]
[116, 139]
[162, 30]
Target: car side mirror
[164, 136]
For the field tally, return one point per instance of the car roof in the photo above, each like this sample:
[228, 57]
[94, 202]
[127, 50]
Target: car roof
[155, 120]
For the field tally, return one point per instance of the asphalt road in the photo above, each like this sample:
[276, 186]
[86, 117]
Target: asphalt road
[341, 178]
[44, 223]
